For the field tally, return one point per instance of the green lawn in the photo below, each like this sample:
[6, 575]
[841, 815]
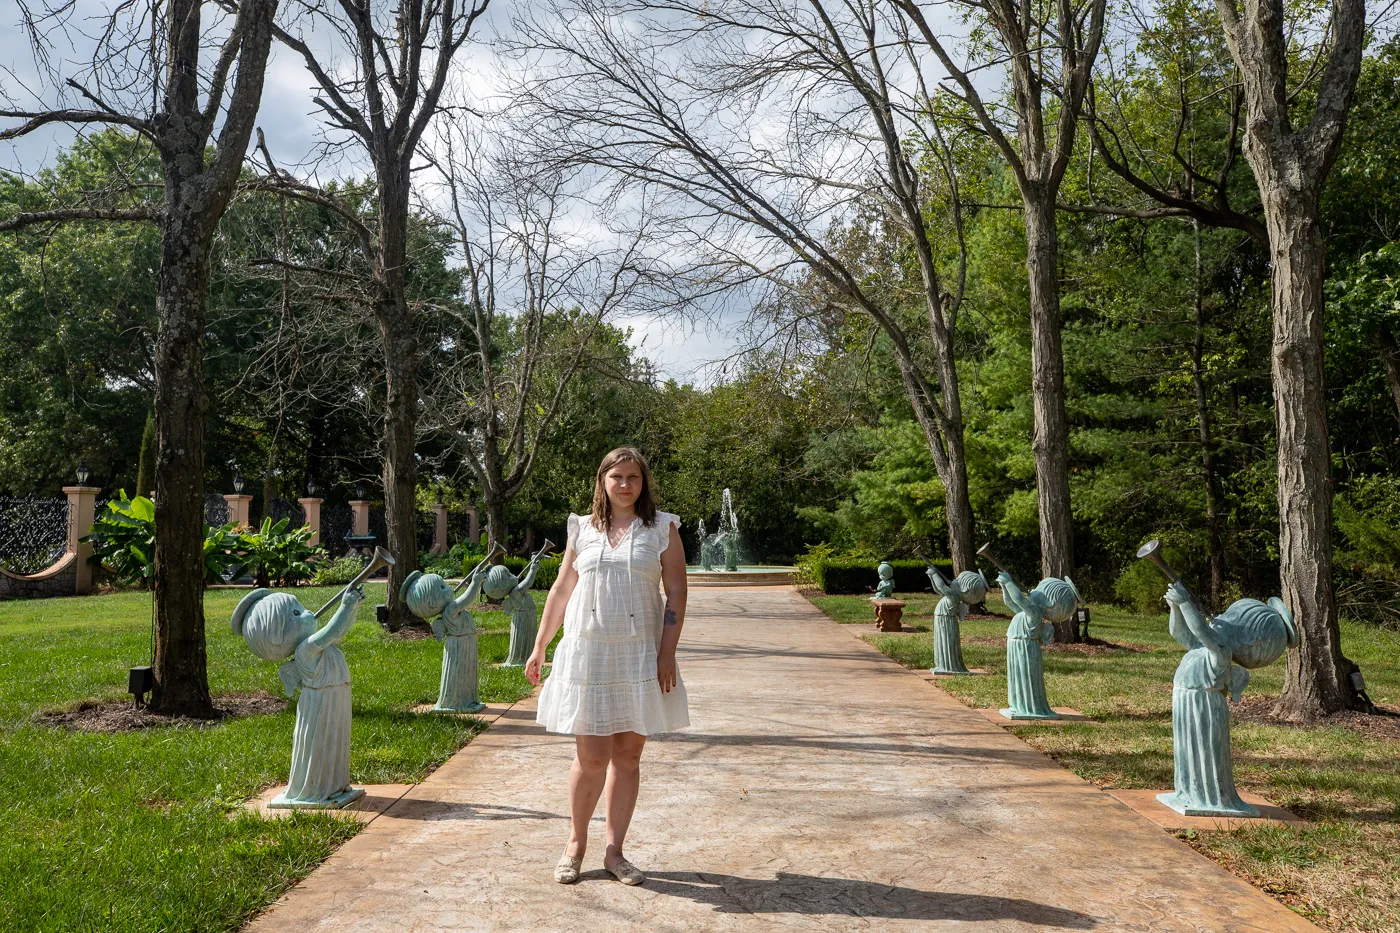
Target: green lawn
[143, 830]
[1343, 871]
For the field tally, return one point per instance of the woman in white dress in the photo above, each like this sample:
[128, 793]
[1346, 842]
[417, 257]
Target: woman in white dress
[613, 680]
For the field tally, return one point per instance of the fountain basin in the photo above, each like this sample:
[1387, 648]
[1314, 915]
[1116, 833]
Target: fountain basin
[746, 575]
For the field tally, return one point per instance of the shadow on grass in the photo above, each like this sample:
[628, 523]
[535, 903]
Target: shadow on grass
[809, 895]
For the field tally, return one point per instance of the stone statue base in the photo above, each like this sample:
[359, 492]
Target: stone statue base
[1012, 714]
[1179, 803]
[888, 613]
[334, 802]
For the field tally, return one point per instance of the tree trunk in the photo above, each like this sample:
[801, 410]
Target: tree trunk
[399, 339]
[1214, 546]
[1316, 682]
[181, 675]
[495, 518]
[1051, 438]
[1390, 358]
[962, 530]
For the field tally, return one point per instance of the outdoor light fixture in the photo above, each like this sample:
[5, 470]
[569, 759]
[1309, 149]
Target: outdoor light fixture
[238, 483]
[83, 473]
[439, 493]
[1358, 683]
[360, 491]
[311, 486]
[140, 681]
[1081, 618]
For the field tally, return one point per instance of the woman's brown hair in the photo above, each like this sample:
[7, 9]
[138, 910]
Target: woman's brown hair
[646, 502]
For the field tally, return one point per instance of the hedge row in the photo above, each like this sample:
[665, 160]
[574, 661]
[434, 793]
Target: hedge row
[861, 576]
[544, 579]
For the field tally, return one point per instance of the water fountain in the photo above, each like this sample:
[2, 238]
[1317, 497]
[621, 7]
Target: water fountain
[727, 545]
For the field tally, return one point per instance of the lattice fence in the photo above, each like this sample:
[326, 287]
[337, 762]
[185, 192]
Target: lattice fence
[33, 533]
[427, 530]
[215, 509]
[285, 508]
[336, 523]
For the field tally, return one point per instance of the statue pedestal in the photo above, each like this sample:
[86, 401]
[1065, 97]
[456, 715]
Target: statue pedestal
[888, 613]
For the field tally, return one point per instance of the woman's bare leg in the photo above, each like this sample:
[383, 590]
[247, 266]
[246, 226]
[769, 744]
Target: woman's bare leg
[624, 779]
[586, 779]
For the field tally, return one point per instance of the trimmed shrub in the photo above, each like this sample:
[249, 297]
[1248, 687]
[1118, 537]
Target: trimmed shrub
[544, 579]
[861, 576]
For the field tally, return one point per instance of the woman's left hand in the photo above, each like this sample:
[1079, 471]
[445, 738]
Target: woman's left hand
[666, 670]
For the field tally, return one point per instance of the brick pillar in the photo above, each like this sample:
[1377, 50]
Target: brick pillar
[312, 508]
[238, 508]
[82, 504]
[439, 529]
[360, 525]
[473, 525]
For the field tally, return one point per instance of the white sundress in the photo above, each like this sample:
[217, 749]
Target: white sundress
[603, 678]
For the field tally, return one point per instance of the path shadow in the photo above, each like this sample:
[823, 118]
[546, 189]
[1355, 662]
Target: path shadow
[941, 745]
[418, 808]
[809, 895]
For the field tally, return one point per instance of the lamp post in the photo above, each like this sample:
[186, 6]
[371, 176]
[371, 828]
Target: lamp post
[238, 503]
[83, 473]
[238, 483]
[311, 509]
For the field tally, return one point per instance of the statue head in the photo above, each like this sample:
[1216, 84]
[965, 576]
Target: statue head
[1256, 634]
[973, 586]
[499, 582]
[425, 594]
[272, 624]
[1038, 602]
[885, 570]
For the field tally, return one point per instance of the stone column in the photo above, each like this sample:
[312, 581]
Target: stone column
[312, 508]
[238, 506]
[360, 525]
[473, 525]
[82, 504]
[439, 529]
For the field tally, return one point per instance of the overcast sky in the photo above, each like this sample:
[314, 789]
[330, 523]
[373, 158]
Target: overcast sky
[287, 117]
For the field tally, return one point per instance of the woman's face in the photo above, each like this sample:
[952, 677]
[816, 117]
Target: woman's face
[623, 484]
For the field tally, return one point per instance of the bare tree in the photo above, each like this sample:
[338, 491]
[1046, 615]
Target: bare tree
[151, 66]
[381, 85]
[1027, 34]
[536, 295]
[1290, 166]
[765, 128]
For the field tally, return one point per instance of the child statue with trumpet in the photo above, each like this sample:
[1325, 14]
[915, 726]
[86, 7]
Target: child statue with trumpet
[514, 594]
[428, 595]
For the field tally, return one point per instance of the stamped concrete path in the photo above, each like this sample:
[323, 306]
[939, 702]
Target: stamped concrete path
[820, 787]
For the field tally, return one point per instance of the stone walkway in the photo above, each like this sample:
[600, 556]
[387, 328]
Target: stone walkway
[820, 787]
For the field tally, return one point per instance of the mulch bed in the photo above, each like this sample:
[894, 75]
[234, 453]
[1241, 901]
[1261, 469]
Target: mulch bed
[1093, 646]
[1260, 709]
[411, 632]
[123, 716]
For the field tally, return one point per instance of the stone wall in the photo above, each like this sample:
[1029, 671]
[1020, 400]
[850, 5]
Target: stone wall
[59, 580]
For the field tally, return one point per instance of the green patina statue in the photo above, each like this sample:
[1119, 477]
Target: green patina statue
[968, 588]
[514, 594]
[707, 548]
[1219, 655]
[276, 627]
[885, 588]
[427, 595]
[1025, 638]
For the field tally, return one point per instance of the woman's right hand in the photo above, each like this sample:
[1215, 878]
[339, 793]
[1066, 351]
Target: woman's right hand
[534, 665]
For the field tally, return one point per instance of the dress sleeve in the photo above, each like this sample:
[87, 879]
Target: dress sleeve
[573, 532]
[664, 521]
